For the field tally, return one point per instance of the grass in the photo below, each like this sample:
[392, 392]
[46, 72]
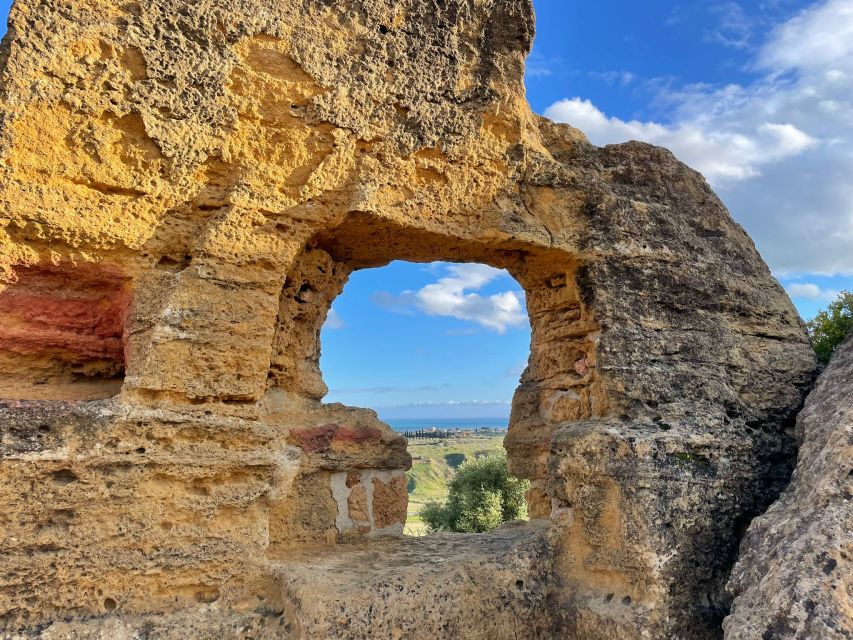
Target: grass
[431, 472]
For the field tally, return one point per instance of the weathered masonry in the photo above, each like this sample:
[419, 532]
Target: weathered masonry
[186, 187]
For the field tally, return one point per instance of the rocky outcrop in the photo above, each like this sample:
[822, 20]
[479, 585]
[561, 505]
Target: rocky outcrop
[794, 578]
[186, 188]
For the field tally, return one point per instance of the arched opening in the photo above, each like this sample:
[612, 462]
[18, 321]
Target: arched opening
[344, 448]
[437, 350]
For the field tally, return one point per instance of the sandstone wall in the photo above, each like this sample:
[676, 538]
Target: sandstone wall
[794, 577]
[186, 187]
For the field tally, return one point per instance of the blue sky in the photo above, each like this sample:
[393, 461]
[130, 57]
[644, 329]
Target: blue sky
[756, 95]
[438, 341]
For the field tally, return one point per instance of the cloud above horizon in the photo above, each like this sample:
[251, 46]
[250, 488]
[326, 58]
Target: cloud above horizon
[390, 390]
[334, 321]
[454, 403]
[778, 150]
[720, 155]
[809, 291]
[453, 296]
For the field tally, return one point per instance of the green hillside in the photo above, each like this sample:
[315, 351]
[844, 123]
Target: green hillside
[433, 465]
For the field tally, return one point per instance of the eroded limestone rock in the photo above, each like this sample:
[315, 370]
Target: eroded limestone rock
[794, 577]
[207, 175]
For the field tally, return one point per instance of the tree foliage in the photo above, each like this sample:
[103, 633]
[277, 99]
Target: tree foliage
[482, 496]
[828, 328]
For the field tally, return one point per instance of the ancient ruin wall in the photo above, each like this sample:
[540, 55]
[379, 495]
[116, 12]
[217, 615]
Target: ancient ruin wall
[186, 187]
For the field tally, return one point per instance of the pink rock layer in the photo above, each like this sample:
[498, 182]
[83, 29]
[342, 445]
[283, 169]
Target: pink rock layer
[76, 313]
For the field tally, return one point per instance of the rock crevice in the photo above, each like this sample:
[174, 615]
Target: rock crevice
[794, 576]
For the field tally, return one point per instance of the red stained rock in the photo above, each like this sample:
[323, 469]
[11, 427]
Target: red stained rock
[320, 439]
[78, 312]
[358, 436]
[313, 439]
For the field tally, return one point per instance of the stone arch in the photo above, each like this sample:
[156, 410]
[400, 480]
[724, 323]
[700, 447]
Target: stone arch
[236, 160]
[559, 384]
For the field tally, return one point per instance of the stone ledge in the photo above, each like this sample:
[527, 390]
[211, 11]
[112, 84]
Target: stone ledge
[492, 586]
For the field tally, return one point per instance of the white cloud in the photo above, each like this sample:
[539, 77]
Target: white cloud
[809, 291]
[516, 370]
[451, 296]
[538, 66]
[777, 150]
[334, 321]
[676, 17]
[453, 403]
[622, 78]
[734, 27]
[388, 390]
[719, 155]
[819, 36]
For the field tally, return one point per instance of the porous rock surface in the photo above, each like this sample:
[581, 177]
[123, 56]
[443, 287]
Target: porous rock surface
[794, 577]
[186, 187]
[357, 593]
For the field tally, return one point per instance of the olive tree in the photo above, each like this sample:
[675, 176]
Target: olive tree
[482, 496]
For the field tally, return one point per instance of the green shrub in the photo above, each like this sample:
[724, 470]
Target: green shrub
[482, 496]
[828, 328]
[436, 516]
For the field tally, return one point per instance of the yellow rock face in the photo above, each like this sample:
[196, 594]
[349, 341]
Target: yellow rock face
[187, 186]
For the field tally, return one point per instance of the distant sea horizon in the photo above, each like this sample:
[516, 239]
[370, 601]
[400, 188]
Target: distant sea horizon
[409, 424]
